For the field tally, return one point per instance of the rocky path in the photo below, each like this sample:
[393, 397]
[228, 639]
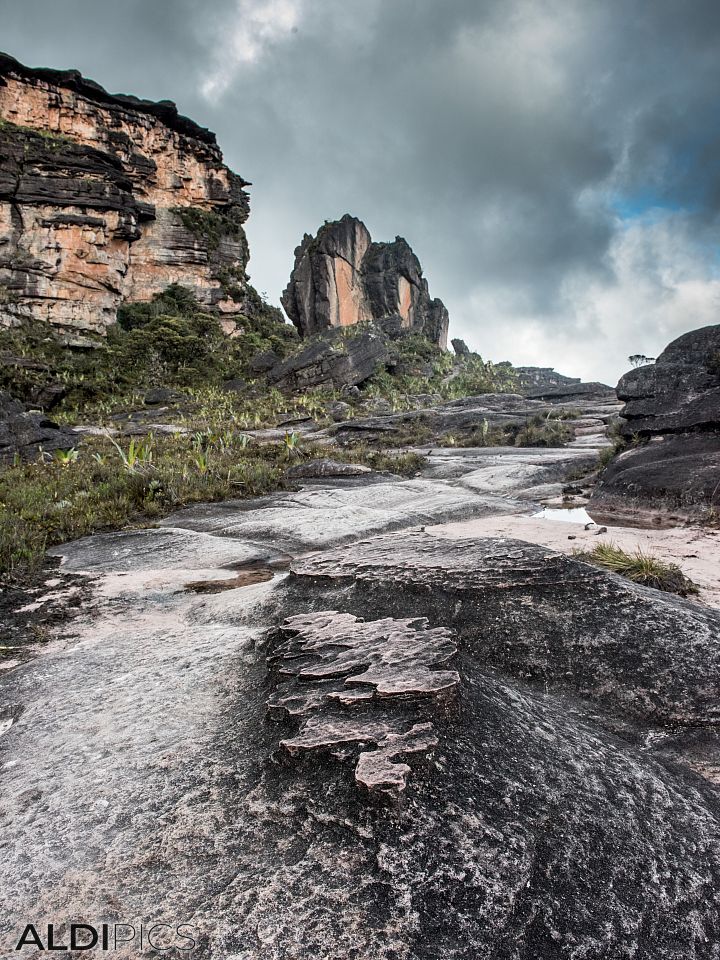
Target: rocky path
[557, 800]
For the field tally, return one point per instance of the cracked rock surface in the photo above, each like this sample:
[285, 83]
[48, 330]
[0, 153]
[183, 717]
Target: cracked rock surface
[544, 746]
[352, 683]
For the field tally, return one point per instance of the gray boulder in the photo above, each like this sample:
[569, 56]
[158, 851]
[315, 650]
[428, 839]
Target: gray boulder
[317, 469]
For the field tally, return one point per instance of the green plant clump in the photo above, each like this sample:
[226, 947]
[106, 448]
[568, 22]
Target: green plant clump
[213, 226]
[169, 341]
[641, 568]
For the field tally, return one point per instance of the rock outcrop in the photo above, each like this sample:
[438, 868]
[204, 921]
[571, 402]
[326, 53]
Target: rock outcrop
[672, 407]
[678, 393]
[531, 774]
[330, 361]
[545, 383]
[539, 378]
[341, 278]
[107, 198]
[24, 433]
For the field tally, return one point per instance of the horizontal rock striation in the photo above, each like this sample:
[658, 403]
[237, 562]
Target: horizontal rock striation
[353, 683]
[679, 392]
[545, 617]
[673, 408]
[341, 278]
[107, 198]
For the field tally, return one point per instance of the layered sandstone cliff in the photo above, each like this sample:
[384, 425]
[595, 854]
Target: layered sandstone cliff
[342, 278]
[105, 198]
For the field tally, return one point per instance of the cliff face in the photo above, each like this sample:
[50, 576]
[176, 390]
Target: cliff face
[105, 198]
[341, 278]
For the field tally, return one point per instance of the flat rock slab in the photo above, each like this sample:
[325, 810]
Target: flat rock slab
[132, 551]
[320, 469]
[316, 516]
[545, 617]
[142, 777]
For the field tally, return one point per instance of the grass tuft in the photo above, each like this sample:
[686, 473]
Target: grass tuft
[641, 568]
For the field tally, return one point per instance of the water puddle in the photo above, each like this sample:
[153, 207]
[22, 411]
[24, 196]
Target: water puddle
[564, 515]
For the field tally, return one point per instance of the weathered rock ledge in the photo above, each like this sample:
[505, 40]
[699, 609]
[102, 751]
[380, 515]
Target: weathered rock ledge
[672, 414]
[105, 198]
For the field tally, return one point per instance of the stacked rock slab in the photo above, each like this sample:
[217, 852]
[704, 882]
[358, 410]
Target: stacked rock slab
[105, 198]
[672, 407]
[341, 278]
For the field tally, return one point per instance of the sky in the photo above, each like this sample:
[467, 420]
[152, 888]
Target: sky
[554, 164]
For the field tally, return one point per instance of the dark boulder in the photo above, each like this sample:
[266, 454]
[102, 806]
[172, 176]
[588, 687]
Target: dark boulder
[572, 391]
[672, 473]
[263, 361]
[25, 434]
[546, 618]
[335, 361]
[674, 406]
[163, 395]
[460, 347]
[437, 785]
[677, 393]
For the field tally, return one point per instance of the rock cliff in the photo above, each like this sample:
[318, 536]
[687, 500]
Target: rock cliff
[342, 278]
[105, 198]
[672, 411]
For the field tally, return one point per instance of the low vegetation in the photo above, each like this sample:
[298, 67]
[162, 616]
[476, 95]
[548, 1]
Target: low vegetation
[418, 367]
[169, 341]
[106, 483]
[212, 227]
[641, 568]
[537, 431]
[210, 395]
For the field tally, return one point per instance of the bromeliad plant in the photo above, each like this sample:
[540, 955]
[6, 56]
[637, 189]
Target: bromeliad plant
[291, 441]
[66, 457]
[138, 456]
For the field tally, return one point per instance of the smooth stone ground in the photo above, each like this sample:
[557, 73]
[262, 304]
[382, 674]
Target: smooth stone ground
[142, 778]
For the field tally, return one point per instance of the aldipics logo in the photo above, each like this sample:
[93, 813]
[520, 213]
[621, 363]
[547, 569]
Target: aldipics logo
[155, 936]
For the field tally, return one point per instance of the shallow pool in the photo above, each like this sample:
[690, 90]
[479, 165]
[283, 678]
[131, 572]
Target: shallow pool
[564, 515]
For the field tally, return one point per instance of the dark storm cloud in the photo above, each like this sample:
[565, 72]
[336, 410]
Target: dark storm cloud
[517, 144]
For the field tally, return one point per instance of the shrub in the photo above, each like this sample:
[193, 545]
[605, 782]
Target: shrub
[541, 431]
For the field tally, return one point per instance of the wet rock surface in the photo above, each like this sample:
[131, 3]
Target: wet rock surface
[526, 776]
